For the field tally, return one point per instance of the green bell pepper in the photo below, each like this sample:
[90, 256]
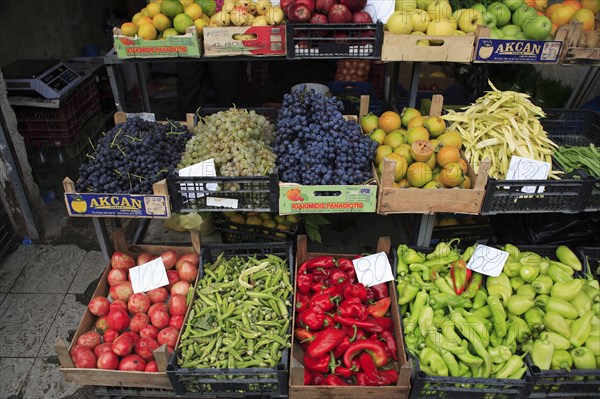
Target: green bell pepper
[475, 341]
[542, 284]
[530, 258]
[581, 329]
[511, 269]
[541, 354]
[535, 318]
[564, 308]
[468, 252]
[514, 254]
[499, 287]
[529, 272]
[566, 256]
[527, 290]
[483, 311]
[498, 315]
[450, 362]
[434, 361]
[419, 303]
[541, 300]
[544, 266]
[561, 360]
[425, 320]
[556, 339]
[567, 290]
[443, 249]
[582, 303]
[480, 299]
[500, 353]
[523, 329]
[556, 273]
[555, 322]
[593, 344]
[592, 292]
[408, 292]
[512, 366]
[480, 326]
[519, 304]
[516, 282]
[583, 358]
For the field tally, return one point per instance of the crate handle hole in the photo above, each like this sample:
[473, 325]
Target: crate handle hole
[244, 36]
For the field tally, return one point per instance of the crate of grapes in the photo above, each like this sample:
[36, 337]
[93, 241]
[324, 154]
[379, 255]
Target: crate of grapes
[124, 175]
[228, 164]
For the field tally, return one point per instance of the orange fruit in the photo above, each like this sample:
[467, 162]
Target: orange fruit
[593, 5]
[551, 9]
[194, 11]
[129, 29]
[447, 155]
[421, 150]
[416, 133]
[463, 166]
[390, 121]
[408, 114]
[144, 20]
[147, 32]
[451, 138]
[452, 175]
[417, 121]
[161, 22]
[574, 4]
[152, 9]
[401, 165]
[586, 17]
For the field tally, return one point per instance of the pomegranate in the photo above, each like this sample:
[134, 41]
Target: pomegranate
[177, 321]
[90, 339]
[298, 13]
[110, 335]
[149, 331]
[168, 336]
[339, 14]
[361, 17]
[188, 271]
[139, 321]
[145, 347]
[132, 363]
[177, 305]
[123, 345]
[144, 258]
[156, 307]
[323, 6]
[101, 325]
[134, 337]
[116, 276]
[118, 304]
[138, 303]
[169, 258]
[151, 367]
[194, 259]
[99, 306]
[122, 290]
[158, 294]
[118, 320]
[122, 261]
[83, 358]
[354, 5]
[160, 319]
[108, 361]
[173, 276]
[105, 347]
[180, 288]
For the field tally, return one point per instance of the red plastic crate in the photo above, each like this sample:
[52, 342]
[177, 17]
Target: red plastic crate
[47, 125]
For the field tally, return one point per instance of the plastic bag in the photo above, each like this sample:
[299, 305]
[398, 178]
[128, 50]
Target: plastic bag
[190, 222]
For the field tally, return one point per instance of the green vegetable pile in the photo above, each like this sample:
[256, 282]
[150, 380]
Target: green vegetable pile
[585, 158]
[458, 326]
[240, 317]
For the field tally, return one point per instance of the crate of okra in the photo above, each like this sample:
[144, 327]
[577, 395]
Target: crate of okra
[235, 344]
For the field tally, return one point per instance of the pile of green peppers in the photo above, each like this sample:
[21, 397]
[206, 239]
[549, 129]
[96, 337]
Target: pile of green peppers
[534, 306]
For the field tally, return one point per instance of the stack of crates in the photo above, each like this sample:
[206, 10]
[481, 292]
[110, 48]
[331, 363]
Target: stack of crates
[8, 238]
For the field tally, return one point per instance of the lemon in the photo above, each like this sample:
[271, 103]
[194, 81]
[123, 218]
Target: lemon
[147, 32]
[186, 3]
[200, 24]
[152, 9]
[194, 11]
[170, 32]
[144, 12]
[144, 20]
[209, 7]
[129, 29]
[136, 17]
[181, 22]
[171, 8]
[161, 22]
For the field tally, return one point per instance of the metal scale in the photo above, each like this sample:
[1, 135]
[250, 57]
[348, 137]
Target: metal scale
[49, 78]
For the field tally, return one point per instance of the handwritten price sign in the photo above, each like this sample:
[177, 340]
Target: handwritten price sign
[527, 169]
[487, 260]
[373, 269]
[148, 276]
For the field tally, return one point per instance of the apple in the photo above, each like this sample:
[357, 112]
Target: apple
[298, 13]
[510, 31]
[496, 33]
[523, 14]
[513, 4]
[537, 28]
[420, 20]
[361, 17]
[399, 23]
[489, 19]
[407, 6]
[586, 17]
[456, 13]
[478, 7]
[439, 9]
[339, 14]
[354, 5]
[323, 6]
[469, 19]
[501, 12]
[440, 28]
[453, 22]
[423, 4]
[520, 36]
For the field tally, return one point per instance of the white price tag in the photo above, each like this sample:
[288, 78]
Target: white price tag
[527, 169]
[373, 269]
[380, 9]
[148, 276]
[146, 116]
[487, 260]
[222, 202]
[203, 169]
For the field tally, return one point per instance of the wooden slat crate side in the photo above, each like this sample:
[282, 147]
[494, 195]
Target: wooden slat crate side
[404, 48]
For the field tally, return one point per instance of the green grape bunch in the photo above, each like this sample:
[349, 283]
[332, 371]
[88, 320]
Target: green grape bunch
[238, 140]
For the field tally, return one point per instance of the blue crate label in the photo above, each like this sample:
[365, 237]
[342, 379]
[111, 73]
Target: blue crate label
[117, 205]
[499, 50]
[373, 269]
[148, 276]
[487, 260]
[202, 169]
[528, 169]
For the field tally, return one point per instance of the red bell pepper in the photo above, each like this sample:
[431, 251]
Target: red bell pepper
[341, 348]
[357, 290]
[380, 291]
[367, 365]
[308, 377]
[304, 282]
[318, 286]
[303, 335]
[348, 267]
[390, 342]
[362, 379]
[360, 334]
[318, 379]
[302, 302]
[325, 301]
[321, 275]
[319, 364]
[374, 348]
[385, 323]
[392, 376]
[460, 275]
[380, 308]
[325, 341]
[312, 318]
[321, 262]
[368, 325]
[338, 277]
[353, 308]
[328, 321]
[335, 380]
[342, 371]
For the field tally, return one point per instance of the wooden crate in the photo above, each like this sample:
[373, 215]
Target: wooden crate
[116, 378]
[571, 53]
[300, 391]
[404, 48]
[417, 200]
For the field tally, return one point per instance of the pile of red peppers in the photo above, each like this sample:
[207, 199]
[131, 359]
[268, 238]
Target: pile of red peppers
[342, 326]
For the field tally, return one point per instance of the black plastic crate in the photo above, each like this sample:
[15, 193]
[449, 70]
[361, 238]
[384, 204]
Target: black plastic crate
[563, 384]
[258, 382]
[574, 193]
[591, 260]
[234, 233]
[194, 194]
[362, 41]
[432, 387]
